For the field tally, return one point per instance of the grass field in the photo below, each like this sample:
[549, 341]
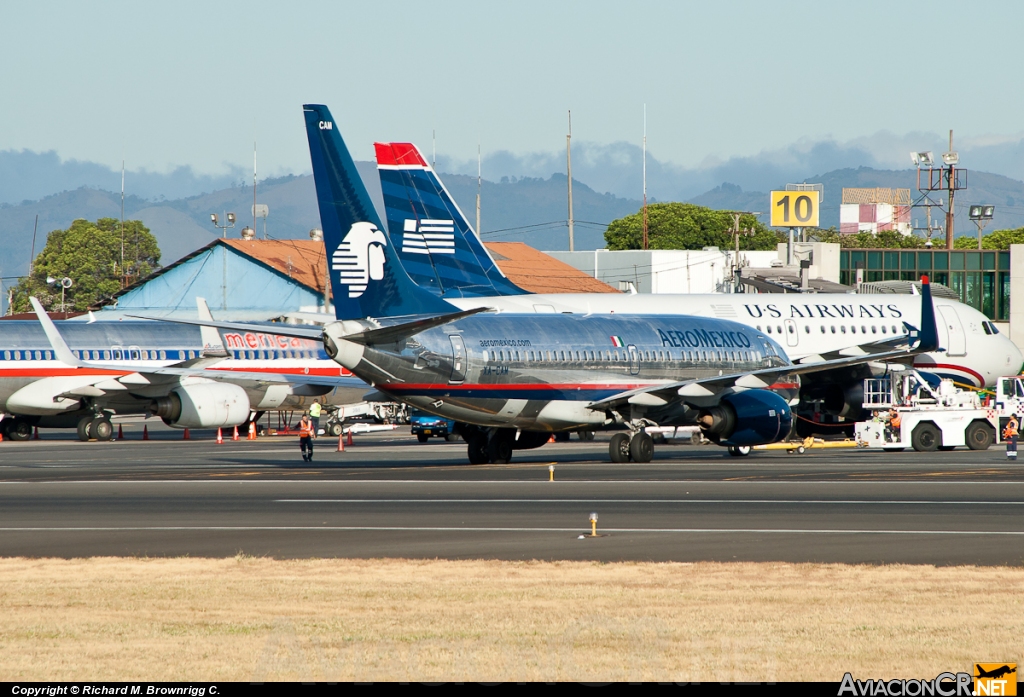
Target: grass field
[262, 619]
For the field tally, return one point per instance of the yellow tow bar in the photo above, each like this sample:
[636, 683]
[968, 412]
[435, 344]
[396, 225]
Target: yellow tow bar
[799, 446]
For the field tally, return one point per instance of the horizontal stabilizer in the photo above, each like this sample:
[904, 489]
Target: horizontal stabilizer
[389, 335]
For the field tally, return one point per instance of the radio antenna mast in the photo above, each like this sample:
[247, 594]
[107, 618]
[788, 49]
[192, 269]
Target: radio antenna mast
[478, 186]
[568, 166]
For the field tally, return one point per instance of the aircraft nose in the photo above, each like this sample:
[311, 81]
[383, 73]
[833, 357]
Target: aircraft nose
[1015, 358]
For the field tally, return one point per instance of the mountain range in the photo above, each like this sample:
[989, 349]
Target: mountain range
[526, 209]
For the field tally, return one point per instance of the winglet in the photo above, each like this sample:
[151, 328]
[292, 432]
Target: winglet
[929, 330]
[57, 343]
[213, 344]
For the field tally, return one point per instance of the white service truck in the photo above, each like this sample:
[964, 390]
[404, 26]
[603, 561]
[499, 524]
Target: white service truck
[925, 413]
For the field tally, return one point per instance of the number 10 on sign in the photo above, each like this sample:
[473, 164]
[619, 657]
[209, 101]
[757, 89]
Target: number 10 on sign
[794, 209]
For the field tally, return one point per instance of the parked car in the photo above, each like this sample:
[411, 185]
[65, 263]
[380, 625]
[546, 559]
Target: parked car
[425, 425]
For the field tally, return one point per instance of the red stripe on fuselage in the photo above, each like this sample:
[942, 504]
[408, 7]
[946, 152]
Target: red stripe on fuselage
[950, 366]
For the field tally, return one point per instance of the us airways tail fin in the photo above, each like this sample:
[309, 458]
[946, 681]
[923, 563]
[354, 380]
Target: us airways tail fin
[435, 242]
[367, 277]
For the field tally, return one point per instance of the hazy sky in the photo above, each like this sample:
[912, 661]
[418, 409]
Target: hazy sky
[189, 83]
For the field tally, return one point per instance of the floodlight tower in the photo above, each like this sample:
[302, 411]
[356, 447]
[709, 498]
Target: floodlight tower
[981, 215]
[223, 228]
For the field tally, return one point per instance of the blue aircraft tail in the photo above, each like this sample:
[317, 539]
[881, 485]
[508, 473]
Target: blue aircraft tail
[439, 248]
[367, 277]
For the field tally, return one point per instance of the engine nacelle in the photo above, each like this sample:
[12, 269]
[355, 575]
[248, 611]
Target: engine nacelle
[845, 400]
[752, 417]
[204, 405]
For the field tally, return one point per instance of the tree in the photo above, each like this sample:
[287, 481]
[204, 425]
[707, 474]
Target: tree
[997, 239]
[687, 226]
[90, 255]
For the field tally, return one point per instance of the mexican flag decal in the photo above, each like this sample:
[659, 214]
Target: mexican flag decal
[617, 342]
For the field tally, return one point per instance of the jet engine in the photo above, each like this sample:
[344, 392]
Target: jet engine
[751, 417]
[845, 400]
[203, 405]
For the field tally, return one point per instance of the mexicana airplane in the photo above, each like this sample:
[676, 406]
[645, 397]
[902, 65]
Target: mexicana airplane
[510, 380]
[190, 378]
[441, 251]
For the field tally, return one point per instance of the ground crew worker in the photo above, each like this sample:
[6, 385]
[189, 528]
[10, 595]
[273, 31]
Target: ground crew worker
[1010, 434]
[306, 438]
[314, 416]
[894, 425]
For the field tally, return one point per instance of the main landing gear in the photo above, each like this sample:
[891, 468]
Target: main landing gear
[637, 446]
[97, 427]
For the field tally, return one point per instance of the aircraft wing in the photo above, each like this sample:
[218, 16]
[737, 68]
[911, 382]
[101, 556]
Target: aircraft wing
[900, 342]
[763, 378]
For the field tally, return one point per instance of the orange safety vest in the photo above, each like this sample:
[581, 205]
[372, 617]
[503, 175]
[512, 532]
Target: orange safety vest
[305, 429]
[896, 420]
[1011, 428]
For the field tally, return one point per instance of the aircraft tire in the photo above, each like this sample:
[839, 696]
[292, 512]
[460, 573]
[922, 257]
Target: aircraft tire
[83, 428]
[926, 438]
[499, 450]
[739, 450]
[586, 435]
[334, 429]
[101, 429]
[618, 448]
[452, 437]
[641, 447]
[979, 436]
[477, 449]
[19, 430]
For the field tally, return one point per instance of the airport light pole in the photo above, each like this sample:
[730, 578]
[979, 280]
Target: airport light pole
[981, 215]
[64, 284]
[227, 226]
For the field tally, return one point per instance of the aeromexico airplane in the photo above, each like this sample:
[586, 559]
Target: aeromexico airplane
[442, 252]
[191, 377]
[510, 380]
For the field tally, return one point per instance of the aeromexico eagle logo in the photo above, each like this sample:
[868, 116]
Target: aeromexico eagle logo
[360, 258]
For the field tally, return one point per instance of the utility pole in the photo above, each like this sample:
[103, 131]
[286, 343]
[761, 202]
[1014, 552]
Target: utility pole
[124, 276]
[478, 185]
[254, 194]
[645, 180]
[568, 163]
[951, 182]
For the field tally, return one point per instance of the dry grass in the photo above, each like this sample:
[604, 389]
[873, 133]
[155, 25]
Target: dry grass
[261, 619]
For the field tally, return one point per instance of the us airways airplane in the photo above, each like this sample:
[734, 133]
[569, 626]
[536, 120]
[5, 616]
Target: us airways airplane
[510, 380]
[191, 377]
[442, 252]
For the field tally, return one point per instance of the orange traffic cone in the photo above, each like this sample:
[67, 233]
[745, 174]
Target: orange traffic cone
[36, 436]
[341, 442]
[1, 435]
[120, 432]
[186, 436]
[350, 436]
[252, 430]
[234, 433]
[552, 438]
[145, 432]
[220, 437]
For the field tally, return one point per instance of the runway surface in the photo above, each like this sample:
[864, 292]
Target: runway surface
[389, 496]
